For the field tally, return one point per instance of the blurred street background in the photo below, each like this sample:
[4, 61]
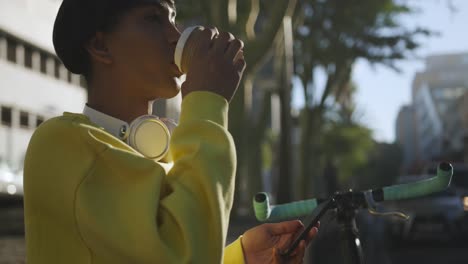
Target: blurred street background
[338, 95]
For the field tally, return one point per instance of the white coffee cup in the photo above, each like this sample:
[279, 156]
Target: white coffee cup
[184, 49]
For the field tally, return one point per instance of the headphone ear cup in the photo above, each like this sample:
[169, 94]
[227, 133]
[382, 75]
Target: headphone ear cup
[170, 124]
[150, 136]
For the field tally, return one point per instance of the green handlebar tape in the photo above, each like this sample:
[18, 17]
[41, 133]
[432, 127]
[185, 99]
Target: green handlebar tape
[263, 210]
[421, 188]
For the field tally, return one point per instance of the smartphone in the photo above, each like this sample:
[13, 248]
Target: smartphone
[311, 221]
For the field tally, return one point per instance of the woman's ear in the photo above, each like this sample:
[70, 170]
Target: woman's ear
[98, 49]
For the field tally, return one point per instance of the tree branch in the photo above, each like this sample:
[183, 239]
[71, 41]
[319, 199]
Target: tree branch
[262, 43]
[334, 79]
[245, 7]
[252, 19]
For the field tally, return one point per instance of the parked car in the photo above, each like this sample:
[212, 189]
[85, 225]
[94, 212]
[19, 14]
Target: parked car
[11, 182]
[438, 216]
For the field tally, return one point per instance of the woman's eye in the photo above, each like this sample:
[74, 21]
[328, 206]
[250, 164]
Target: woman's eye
[154, 17]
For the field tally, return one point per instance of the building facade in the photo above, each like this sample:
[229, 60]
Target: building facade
[437, 94]
[405, 132]
[34, 84]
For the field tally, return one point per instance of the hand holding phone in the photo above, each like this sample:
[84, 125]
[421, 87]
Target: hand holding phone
[311, 221]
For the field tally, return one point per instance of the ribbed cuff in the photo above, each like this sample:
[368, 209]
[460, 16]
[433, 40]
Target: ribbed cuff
[203, 105]
[233, 253]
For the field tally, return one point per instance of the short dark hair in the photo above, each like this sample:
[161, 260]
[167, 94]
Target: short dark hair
[78, 20]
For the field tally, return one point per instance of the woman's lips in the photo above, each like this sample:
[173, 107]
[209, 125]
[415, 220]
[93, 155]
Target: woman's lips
[176, 70]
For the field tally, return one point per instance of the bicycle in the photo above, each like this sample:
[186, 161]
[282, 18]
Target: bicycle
[346, 205]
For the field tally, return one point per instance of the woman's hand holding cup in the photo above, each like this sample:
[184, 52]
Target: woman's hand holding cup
[213, 61]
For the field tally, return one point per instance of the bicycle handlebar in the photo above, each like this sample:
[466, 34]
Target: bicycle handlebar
[420, 188]
[264, 211]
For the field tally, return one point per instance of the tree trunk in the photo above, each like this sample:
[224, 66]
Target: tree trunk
[236, 121]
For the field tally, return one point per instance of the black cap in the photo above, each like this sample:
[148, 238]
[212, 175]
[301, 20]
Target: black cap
[77, 21]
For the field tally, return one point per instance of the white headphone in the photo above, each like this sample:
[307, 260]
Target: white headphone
[147, 134]
[150, 135]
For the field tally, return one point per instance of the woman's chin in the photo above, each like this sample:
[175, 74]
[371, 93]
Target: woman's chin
[169, 90]
[172, 92]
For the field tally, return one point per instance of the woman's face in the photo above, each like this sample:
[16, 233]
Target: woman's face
[142, 46]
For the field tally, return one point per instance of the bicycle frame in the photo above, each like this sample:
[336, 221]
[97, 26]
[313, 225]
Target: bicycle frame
[349, 232]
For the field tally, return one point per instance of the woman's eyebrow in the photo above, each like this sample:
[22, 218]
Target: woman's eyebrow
[163, 5]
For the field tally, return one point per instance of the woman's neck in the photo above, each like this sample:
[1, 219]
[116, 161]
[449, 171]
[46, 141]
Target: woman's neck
[113, 99]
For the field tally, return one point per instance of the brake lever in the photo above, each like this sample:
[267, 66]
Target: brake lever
[372, 207]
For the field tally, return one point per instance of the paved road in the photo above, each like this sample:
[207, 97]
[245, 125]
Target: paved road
[12, 246]
[12, 252]
[431, 253]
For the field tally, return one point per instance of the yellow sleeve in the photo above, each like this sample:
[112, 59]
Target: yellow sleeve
[129, 210]
[233, 253]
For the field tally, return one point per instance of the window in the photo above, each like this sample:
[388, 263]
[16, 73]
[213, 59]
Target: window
[24, 119]
[74, 78]
[11, 50]
[57, 68]
[465, 59]
[61, 72]
[36, 61]
[39, 120]
[43, 58]
[3, 47]
[28, 57]
[6, 116]
[20, 52]
[50, 65]
[83, 82]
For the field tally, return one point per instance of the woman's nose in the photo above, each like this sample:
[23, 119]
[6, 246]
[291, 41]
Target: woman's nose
[174, 35]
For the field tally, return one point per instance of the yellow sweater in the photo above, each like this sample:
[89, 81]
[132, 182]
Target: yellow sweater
[90, 198]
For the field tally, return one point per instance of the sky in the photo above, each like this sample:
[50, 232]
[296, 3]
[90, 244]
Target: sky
[382, 91]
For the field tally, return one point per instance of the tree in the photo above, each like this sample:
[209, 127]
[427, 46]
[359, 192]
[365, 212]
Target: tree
[333, 35]
[382, 168]
[258, 23]
[328, 36]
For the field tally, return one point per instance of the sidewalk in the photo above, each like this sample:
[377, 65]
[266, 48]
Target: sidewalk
[12, 250]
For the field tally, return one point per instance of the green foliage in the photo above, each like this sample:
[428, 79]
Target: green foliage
[347, 146]
[359, 161]
[336, 30]
[267, 150]
[332, 35]
[382, 168]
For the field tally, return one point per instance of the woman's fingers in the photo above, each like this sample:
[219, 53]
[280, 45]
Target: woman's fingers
[235, 46]
[297, 256]
[222, 42]
[285, 227]
[312, 233]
